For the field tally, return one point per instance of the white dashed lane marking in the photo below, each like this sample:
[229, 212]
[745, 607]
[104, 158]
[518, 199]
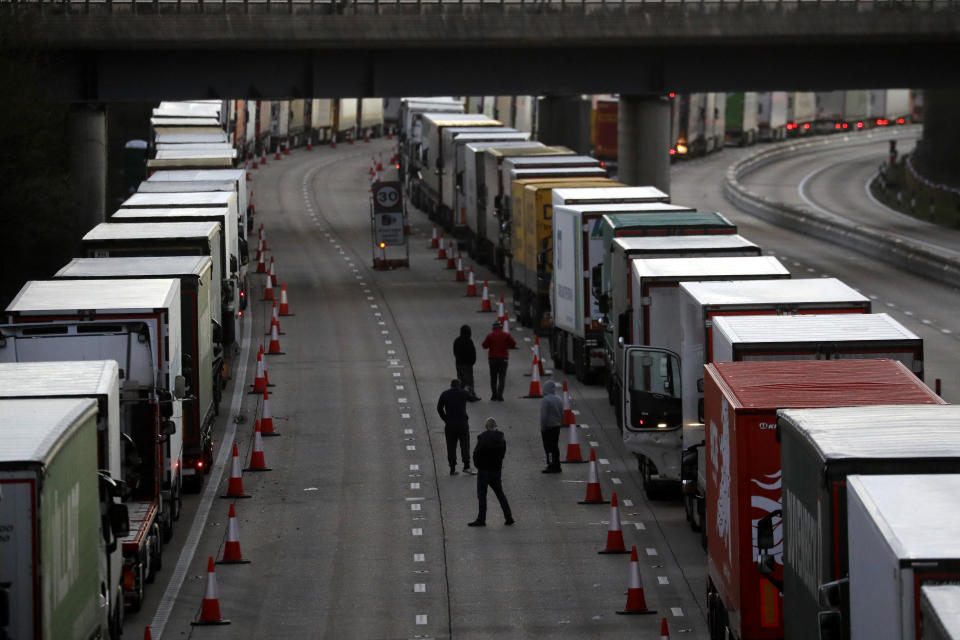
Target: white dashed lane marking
[411, 447]
[415, 506]
[419, 557]
[414, 485]
[419, 588]
[416, 531]
[677, 612]
[663, 580]
[651, 551]
[414, 467]
[421, 618]
[616, 481]
[627, 502]
[603, 460]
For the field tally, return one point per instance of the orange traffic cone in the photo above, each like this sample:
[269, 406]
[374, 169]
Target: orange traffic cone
[506, 325]
[146, 633]
[286, 148]
[568, 417]
[263, 237]
[260, 381]
[471, 284]
[460, 275]
[268, 291]
[309, 143]
[434, 240]
[536, 350]
[235, 486]
[451, 261]
[272, 272]
[636, 603]
[500, 312]
[261, 265]
[366, 135]
[257, 461]
[485, 306]
[535, 390]
[614, 529]
[573, 447]
[273, 349]
[380, 161]
[277, 155]
[664, 630]
[254, 164]
[266, 417]
[594, 495]
[210, 609]
[284, 304]
[442, 250]
[333, 141]
[231, 550]
[275, 320]
[263, 157]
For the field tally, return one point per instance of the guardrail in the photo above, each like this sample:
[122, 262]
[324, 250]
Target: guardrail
[901, 252]
[386, 7]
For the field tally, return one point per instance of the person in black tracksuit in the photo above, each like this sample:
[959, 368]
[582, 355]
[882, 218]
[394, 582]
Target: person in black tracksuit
[465, 356]
[452, 407]
[488, 459]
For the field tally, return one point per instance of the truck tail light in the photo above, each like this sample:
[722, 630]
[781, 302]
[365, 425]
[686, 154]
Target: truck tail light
[199, 465]
[806, 125]
[859, 124]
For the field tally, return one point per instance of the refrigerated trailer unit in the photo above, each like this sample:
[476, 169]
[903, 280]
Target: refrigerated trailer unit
[449, 145]
[772, 115]
[131, 239]
[940, 612]
[463, 162]
[536, 161]
[97, 380]
[801, 112]
[51, 551]
[200, 346]
[743, 471]
[902, 536]
[200, 158]
[741, 122]
[661, 448]
[820, 448]
[184, 180]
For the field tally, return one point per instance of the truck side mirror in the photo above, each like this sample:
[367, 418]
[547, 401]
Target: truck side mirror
[217, 332]
[226, 290]
[765, 530]
[233, 264]
[603, 304]
[165, 400]
[119, 520]
[832, 595]
[623, 324]
[179, 387]
[700, 410]
[167, 429]
[830, 625]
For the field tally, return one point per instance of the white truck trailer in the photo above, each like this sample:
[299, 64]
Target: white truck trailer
[889, 106]
[200, 347]
[461, 157]
[940, 612]
[97, 380]
[772, 115]
[902, 535]
[801, 112]
[451, 157]
[52, 559]
[207, 180]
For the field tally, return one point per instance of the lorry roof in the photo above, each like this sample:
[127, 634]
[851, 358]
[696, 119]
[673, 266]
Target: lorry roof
[79, 377]
[189, 138]
[69, 296]
[168, 212]
[916, 513]
[504, 145]
[613, 194]
[184, 199]
[456, 132]
[944, 599]
[197, 174]
[558, 160]
[185, 186]
[167, 121]
[174, 153]
[534, 149]
[798, 384]
[195, 146]
[731, 267]
[879, 432]
[140, 230]
[187, 109]
[677, 244]
[832, 327]
[136, 266]
[460, 119]
[35, 429]
[732, 292]
[557, 172]
[667, 218]
[506, 135]
[620, 207]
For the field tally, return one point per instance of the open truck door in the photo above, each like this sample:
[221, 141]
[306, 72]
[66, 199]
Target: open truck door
[651, 409]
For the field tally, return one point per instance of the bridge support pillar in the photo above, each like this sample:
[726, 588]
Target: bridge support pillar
[564, 121]
[643, 141]
[937, 151]
[88, 162]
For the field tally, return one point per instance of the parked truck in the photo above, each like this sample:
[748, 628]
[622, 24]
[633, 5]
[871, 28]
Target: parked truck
[820, 448]
[504, 208]
[604, 133]
[136, 323]
[743, 472]
[530, 265]
[660, 449]
[458, 189]
[207, 180]
[889, 106]
[130, 239]
[98, 380]
[897, 544]
[201, 347]
[741, 121]
[447, 164]
[801, 112]
[53, 574]
[772, 115]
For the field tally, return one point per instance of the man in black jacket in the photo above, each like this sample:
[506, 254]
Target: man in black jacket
[452, 407]
[465, 356]
[488, 459]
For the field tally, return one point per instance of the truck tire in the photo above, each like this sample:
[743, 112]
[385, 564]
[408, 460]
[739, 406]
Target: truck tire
[136, 601]
[689, 508]
[116, 620]
[651, 487]
[579, 366]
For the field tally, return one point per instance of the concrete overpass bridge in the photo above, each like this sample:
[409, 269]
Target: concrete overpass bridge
[124, 50]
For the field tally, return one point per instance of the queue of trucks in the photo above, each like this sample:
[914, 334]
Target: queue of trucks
[111, 375]
[712, 354]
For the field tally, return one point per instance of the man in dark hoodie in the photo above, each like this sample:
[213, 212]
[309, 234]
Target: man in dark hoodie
[488, 459]
[465, 356]
[452, 407]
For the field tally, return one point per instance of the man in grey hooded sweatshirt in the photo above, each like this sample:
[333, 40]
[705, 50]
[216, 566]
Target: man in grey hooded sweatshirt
[551, 419]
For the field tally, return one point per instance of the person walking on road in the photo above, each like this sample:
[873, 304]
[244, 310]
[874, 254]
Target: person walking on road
[488, 458]
[498, 343]
[452, 407]
[551, 419]
[465, 356]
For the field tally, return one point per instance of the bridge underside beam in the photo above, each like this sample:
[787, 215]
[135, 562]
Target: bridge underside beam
[141, 75]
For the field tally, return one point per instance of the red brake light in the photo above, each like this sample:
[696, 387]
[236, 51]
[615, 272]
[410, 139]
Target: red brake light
[602, 163]
[860, 125]
[846, 126]
[838, 126]
[673, 152]
[806, 125]
[671, 95]
[199, 464]
[900, 120]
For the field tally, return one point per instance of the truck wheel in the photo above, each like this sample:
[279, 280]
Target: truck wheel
[116, 620]
[689, 507]
[137, 600]
[155, 553]
[650, 487]
[579, 366]
[177, 501]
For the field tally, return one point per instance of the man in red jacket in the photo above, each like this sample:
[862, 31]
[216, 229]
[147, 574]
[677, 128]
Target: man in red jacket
[498, 344]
